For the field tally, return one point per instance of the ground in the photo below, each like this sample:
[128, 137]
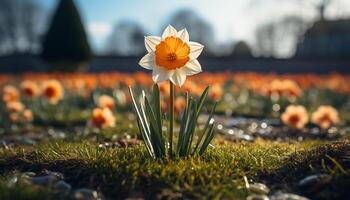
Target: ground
[128, 172]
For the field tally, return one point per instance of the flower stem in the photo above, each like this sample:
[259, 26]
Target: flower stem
[172, 98]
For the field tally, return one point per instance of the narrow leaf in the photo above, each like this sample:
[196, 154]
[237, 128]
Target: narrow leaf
[207, 140]
[183, 124]
[154, 126]
[205, 128]
[202, 100]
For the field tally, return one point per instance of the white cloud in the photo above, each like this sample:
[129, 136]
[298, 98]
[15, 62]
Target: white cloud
[98, 32]
[99, 29]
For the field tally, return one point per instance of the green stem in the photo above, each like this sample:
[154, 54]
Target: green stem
[171, 129]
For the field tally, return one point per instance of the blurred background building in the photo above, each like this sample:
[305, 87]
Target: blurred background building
[239, 34]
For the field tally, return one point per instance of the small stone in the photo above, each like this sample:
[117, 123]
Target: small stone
[287, 196]
[246, 137]
[3, 144]
[26, 140]
[59, 175]
[257, 197]
[316, 179]
[28, 174]
[129, 142]
[259, 188]
[85, 194]
[12, 181]
[134, 198]
[315, 131]
[62, 185]
[43, 180]
[56, 134]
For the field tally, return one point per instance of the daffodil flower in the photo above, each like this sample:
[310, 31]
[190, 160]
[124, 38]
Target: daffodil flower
[172, 57]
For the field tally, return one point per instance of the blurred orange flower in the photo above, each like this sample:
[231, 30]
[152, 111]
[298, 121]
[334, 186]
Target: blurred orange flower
[105, 101]
[102, 118]
[27, 115]
[325, 117]
[163, 105]
[15, 107]
[282, 89]
[30, 89]
[164, 88]
[52, 90]
[179, 104]
[14, 117]
[216, 92]
[295, 116]
[10, 93]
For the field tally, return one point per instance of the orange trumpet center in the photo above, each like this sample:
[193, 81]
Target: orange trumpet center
[172, 53]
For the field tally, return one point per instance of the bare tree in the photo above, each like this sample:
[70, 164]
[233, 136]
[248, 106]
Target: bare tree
[266, 39]
[20, 26]
[127, 38]
[242, 50]
[322, 4]
[279, 39]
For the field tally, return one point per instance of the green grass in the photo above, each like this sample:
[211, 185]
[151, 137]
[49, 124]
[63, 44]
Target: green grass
[125, 172]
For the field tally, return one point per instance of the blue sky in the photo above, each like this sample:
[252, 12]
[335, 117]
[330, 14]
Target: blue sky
[232, 20]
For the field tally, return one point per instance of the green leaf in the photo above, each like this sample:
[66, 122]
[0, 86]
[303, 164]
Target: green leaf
[147, 143]
[207, 139]
[183, 124]
[155, 130]
[142, 124]
[205, 128]
[192, 129]
[202, 100]
[182, 137]
[156, 105]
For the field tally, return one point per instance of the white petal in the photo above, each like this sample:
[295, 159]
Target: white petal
[151, 42]
[148, 61]
[161, 74]
[183, 35]
[195, 49]
[192, 67]
[178, 78]
[169, 31]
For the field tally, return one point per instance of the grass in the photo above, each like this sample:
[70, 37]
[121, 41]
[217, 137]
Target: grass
[129, 172]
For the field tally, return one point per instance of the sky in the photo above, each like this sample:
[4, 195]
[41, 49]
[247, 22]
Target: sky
[232, 20]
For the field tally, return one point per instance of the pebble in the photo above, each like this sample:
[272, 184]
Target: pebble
[56, 174]
[257, 197]
[28, 174]
[245, 137]
[12, 181]
[3, 144]
[85, 194]
[26, 140]
[43, 180]
[315, 180]
[56, 134]
[20, 177]
[46, 178]
[259, 188]
[62, 185]
[287, 196]
[121, 143]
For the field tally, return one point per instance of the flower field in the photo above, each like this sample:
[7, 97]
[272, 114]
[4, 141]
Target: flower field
[70, 135]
